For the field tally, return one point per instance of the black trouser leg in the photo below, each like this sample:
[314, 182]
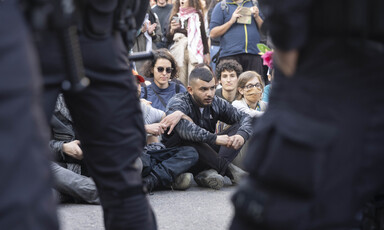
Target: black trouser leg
[109, 122]
[210, 156]
[26, 198]
[229, 153]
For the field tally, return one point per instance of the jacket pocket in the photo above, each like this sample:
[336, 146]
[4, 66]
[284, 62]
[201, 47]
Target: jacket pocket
[290, 152]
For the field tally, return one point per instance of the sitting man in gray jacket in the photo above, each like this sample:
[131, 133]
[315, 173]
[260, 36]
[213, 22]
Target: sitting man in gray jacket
[71, 178]
[216, 151]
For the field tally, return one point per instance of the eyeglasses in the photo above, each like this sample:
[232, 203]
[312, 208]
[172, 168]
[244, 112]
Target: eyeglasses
[250, 86]
[161, 69]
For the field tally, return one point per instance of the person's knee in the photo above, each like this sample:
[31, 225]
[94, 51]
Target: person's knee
[190, 153]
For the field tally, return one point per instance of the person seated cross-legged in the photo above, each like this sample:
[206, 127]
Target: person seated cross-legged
[216, 151]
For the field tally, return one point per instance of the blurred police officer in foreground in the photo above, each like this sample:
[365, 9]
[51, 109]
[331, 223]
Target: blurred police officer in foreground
[317, 154]
[106, 114]
[26, 200]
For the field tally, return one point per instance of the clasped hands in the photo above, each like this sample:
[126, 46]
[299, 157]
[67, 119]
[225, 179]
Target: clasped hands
[235, 141]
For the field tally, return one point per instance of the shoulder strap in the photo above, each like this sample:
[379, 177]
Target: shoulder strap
[158, 96]
[177, 87]
[145, 92]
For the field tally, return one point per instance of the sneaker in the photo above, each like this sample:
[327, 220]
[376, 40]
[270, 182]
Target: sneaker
[182, 181]
[210, 179]
[235, 173]
[150, 182]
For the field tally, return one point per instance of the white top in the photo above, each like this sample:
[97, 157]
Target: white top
[150, 114]
[243, 106]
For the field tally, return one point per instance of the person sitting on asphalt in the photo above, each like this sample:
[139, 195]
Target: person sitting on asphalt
[164, 167]
[162, 71]
[228, 72]
[249, 93]
[216, 151]
[71, 179]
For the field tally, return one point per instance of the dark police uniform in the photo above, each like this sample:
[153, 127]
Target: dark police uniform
[106, 114]
[26, 200]
[317, 154]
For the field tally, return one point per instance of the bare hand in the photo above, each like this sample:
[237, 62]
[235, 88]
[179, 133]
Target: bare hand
[222, 140]
[145, 101]
[151, 28]
[255, 11]
[235, 15]
[207, 58]
[144, 28]
[237, 141]
[174, 25]
[73, 149]
[155, 129]
[171, 120]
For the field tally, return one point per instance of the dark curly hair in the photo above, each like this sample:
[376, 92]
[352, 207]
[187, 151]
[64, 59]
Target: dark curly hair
[228, 65]
[147, 68]
[203, 65]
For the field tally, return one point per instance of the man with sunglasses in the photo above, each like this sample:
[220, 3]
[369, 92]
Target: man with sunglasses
[216, 151]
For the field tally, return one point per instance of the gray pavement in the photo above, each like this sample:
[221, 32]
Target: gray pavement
[196, 208]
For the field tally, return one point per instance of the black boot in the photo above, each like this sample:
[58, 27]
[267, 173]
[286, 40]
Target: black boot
[150, 182]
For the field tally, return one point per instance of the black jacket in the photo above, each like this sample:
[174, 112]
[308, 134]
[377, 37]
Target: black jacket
[62, 132]
[202, 129]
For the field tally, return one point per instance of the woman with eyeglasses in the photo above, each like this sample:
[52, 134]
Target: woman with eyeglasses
[250, 89]
[162, 71]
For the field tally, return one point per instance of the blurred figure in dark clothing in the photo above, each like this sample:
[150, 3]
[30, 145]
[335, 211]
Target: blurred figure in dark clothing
[316, 156]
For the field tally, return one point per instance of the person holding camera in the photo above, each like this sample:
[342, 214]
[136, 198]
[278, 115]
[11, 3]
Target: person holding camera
[188, 37]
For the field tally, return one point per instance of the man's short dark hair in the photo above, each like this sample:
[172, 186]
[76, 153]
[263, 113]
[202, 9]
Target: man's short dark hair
[203, 74]
[228, 65]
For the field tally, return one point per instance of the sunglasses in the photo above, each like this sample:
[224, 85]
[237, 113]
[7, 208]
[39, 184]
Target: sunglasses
[161, 69]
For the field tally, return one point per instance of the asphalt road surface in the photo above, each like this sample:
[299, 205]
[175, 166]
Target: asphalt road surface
[196, 208]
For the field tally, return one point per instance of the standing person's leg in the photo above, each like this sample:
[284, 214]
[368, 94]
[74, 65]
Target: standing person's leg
[109, 121]
[252, 62]
[26, 198]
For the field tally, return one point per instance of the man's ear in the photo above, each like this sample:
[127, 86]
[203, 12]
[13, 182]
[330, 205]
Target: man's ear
[190, 90]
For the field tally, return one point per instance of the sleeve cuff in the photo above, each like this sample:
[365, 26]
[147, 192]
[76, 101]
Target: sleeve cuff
[243, 134]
